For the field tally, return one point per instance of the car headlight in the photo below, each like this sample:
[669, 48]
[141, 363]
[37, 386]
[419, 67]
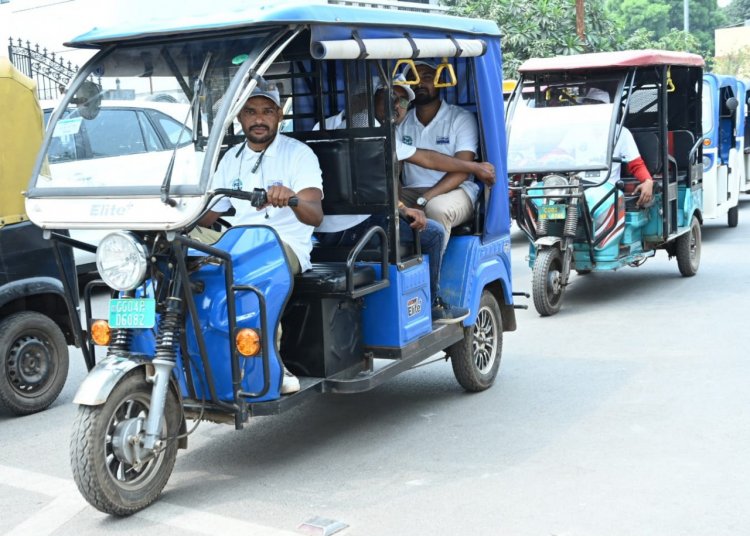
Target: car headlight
[550, 181]
[121, 259]
[707, 162]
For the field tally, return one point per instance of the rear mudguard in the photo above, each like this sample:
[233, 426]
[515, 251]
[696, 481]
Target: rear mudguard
[103, 378]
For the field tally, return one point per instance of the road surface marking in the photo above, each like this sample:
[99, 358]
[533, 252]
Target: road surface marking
[67, 502]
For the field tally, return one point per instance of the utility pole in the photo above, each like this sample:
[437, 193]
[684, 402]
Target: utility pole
[686, 15]
[580, 20]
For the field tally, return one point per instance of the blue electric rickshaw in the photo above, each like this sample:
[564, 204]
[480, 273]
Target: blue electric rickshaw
[723, 151]
[190, 332]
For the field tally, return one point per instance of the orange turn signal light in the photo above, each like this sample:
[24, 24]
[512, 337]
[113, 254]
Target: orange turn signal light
[707, 142]
[247, 342]
[101, 333]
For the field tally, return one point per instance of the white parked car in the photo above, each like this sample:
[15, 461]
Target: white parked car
[127, 137]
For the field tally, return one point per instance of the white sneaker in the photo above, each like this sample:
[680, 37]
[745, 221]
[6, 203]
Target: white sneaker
[290, 384]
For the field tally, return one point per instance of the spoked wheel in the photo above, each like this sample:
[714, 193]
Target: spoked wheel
[547, 281]
[688, 250]
[476, 358]
[33, 362]
[104, 448]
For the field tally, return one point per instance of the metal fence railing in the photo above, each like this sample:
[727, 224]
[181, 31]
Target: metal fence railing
[50, 73]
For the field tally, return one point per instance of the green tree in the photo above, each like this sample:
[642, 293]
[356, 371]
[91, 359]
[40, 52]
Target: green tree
[666, 18]
[541, 28]
[737, 12]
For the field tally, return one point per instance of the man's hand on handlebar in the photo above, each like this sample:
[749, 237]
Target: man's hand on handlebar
[279, 196]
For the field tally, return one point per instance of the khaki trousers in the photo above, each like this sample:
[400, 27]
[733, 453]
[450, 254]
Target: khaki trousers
[449, 209]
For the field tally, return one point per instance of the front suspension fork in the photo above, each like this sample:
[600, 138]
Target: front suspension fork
[170, 326]
[569, 230]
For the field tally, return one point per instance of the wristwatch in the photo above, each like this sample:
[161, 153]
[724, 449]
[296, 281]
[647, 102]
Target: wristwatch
[421, 202]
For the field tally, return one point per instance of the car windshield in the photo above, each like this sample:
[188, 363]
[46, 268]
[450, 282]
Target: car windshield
[143, 116]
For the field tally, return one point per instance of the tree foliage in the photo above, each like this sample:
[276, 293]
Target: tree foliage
[542, 27]
[735, 63]
[737, 12]
[665, 19]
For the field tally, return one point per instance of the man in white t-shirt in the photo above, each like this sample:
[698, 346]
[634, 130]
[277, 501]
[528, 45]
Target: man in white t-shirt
[283, 166]
[625, 151]
[434, 124]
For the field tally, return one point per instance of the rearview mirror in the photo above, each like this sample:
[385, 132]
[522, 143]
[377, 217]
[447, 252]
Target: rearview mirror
[88, 99]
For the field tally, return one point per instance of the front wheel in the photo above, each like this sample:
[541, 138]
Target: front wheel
[33, 362]
[547, 281]
[688, 249]
[104, 435]
[476, 358]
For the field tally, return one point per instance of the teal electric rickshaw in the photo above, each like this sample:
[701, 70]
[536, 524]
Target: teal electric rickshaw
[560, 163]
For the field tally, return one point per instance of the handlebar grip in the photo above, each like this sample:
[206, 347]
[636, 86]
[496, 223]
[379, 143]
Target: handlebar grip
[293, 201]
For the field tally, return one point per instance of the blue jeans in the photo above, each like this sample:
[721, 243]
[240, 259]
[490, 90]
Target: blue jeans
[431, 240]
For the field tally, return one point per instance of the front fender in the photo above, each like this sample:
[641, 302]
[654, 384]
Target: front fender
[99, 383]
[547, 241]
[107, 374]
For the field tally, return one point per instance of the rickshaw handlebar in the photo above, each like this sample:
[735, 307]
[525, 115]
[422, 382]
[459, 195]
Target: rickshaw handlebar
[258, 197]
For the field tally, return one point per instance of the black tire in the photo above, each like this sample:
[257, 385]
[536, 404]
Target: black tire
[688, 250]
[106, 482]
[33, 362]
[547, 287]
[733, 217]
[476, 358]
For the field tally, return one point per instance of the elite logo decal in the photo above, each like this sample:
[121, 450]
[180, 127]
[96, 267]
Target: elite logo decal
[414, 307]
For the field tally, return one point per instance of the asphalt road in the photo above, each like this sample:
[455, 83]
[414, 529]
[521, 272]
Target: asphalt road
[625, 414]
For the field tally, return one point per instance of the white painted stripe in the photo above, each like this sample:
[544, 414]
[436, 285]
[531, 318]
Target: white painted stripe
[53, 516]
[205, 522]
[67, 502]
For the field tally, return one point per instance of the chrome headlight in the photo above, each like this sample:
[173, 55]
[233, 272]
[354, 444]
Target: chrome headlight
[707, 162]
[555, 180]
[121, 259]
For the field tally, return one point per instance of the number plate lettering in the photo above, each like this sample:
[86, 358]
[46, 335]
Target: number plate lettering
[132, 313]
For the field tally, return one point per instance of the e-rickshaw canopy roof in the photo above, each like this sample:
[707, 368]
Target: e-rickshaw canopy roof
[609, 60]
[199, 16]
[21, 131]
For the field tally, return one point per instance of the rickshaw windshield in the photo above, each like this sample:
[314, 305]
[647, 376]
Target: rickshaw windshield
[142, 116]
[566, 138]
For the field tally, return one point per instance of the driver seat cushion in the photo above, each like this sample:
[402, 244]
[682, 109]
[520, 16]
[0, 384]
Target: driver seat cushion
[330, 278]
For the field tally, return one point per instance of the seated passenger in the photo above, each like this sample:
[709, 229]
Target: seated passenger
[434, 124]
[345, 230]
[283, 166]
[625, 150]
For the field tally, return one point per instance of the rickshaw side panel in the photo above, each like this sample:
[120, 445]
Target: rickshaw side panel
[408, 295]
[469, 266]
[270, 274]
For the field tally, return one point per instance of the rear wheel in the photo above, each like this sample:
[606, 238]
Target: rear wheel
[547, 281]
[33, 362]
[733, 217]
[104, 448]
[688, 250]
[476, 358]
